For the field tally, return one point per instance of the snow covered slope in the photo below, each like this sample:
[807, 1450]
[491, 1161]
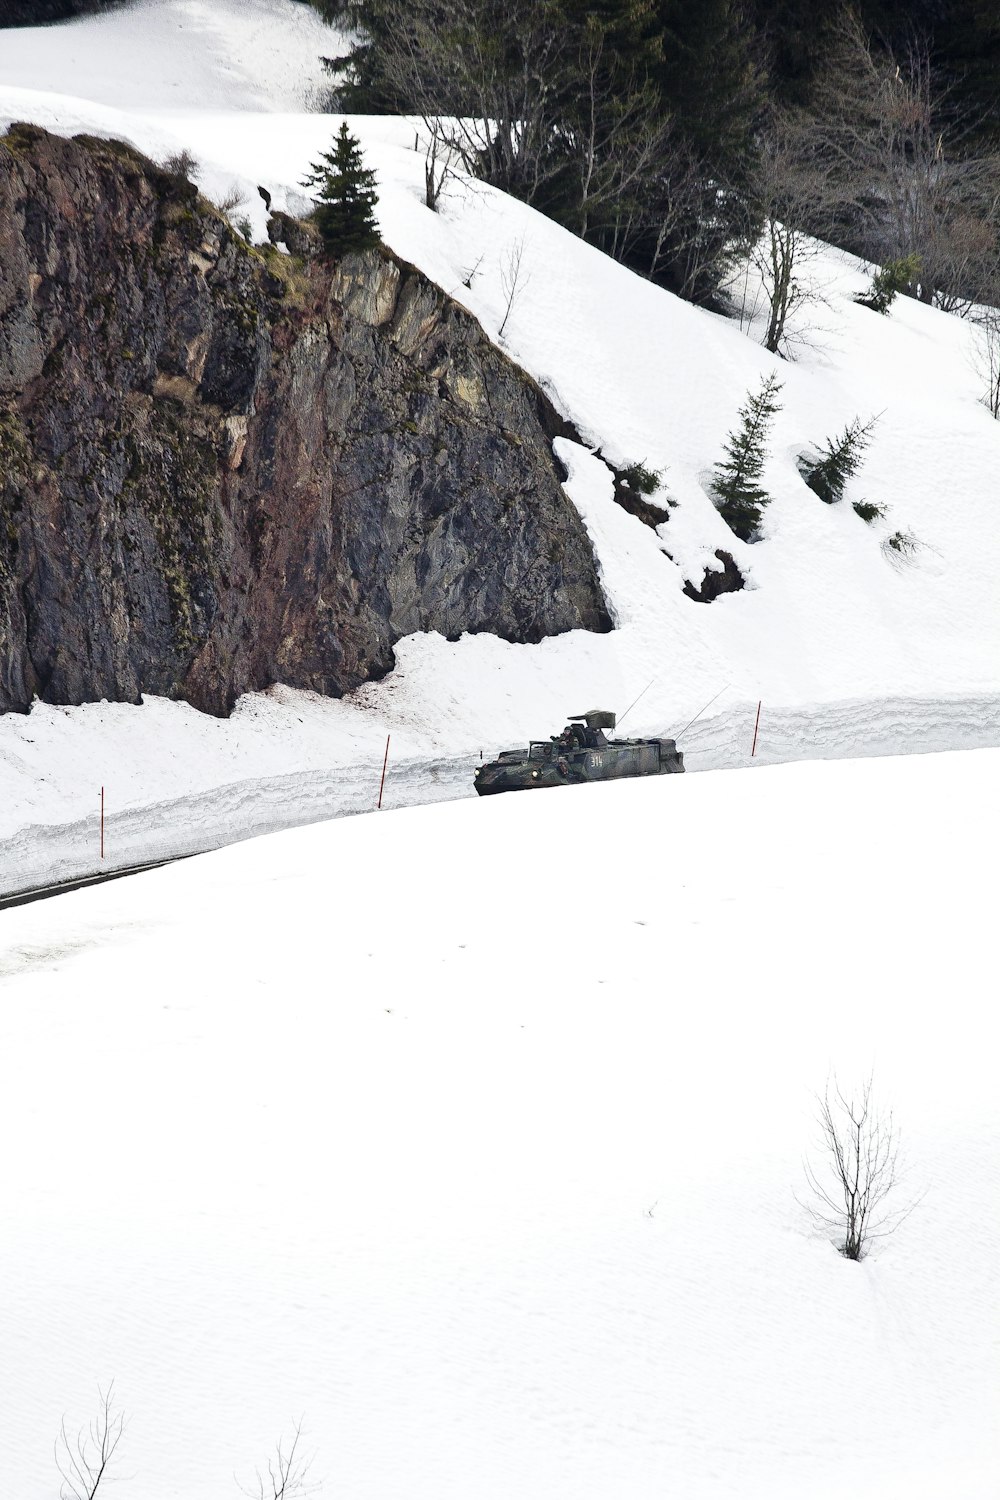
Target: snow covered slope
[298, 1130]
[168, 54]
[828, 618]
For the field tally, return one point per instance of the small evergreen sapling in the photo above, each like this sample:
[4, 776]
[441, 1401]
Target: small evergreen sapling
[641, 479]
[739, 498]
[894, 277]
[839, 460]
[346, 213]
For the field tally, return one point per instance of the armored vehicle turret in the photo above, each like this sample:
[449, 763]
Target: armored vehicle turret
[582, 752]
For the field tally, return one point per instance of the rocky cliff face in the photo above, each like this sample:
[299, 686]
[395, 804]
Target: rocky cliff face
[222, 467]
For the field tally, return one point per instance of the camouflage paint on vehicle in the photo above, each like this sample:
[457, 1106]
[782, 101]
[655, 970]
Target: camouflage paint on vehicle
[581, 753]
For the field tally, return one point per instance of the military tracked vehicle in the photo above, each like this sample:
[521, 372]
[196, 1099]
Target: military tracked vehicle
[582, 752]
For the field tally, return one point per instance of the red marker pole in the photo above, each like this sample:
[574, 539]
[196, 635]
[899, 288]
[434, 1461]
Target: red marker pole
[102, 822]
[384, 764]
[753, 752]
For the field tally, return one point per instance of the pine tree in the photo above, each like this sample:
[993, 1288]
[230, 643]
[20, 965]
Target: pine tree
[345, 216]
[709, 79]
[736, 486]
[794, 37]
[889, 281]
[630, 26]
[840, 459]
[360, 86]
[710, 83]
[604, 108]
[967, 51]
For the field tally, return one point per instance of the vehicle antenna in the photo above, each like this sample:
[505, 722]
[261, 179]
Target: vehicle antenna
[699, 714]
[649, 684]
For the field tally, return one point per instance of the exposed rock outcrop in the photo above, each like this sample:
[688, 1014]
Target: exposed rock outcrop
[635, 500]
[637, 505]
[222, 467]
[726, 579]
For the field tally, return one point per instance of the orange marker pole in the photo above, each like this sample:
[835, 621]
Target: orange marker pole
[384, 764]
[102, 822]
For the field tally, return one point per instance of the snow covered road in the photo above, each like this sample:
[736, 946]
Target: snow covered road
[162, 804]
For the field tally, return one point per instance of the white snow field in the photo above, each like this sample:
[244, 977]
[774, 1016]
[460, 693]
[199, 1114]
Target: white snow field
[472, 1135]
[849, 653]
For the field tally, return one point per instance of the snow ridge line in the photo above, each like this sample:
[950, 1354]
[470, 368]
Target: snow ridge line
[843, 729]
[173, 827]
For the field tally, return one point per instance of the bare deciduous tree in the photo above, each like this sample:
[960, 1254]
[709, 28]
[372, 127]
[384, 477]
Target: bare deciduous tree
[792, 187]
[287, 1473]
[490, 80]
[910, 178]
[439, 160]
[986, 356]
[614, 136]
[666, 223]
[84, 1461]
[855, 1170]
[533, 101]
[513, 279]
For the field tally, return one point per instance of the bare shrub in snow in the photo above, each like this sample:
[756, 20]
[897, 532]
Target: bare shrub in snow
[453, 64]
[232, 199]
[287, 1473]
[181, 164]
[901, 547]
[855, 1170]
[84, 1461]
